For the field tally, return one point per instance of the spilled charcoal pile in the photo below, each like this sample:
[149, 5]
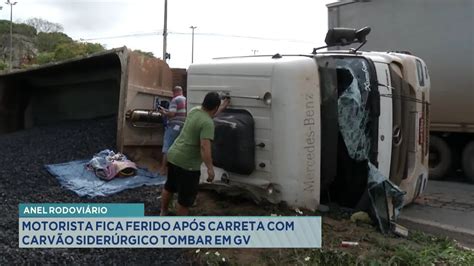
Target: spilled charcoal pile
[23, 179]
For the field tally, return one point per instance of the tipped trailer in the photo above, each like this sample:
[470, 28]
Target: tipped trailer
[333, 125]
[119, 83]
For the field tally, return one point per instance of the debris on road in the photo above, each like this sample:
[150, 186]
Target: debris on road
[346, 244]
[361, 217]
[399, 230]
[298, 211]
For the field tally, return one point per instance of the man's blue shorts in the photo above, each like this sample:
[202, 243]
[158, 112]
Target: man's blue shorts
[171, 133]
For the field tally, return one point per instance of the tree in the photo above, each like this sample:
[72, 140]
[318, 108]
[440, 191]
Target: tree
[42, 25]
[66, 51]
[44, 58]
[47, 42]
[3, 65]
[18, 28]
[92, 48]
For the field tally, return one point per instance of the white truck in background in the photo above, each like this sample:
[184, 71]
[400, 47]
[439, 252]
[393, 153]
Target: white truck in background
[306, 129]
[442, 33]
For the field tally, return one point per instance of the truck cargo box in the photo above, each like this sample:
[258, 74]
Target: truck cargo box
[110, 83]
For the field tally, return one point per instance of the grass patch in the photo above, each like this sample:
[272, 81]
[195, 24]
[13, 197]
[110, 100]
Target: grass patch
[432, 250]
[374, 248]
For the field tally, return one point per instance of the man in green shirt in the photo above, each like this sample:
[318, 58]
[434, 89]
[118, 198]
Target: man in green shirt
[190, 149]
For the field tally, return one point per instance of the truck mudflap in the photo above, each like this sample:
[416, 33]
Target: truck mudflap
[105, 84]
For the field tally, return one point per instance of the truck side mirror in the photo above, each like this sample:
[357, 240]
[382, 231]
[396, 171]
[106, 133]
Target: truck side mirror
[346, 36]
[340, 36]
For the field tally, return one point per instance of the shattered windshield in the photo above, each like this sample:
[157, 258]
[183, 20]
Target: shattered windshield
[353, 114]
[356, 108]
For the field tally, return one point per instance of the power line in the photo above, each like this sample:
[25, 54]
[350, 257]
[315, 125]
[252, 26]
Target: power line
[201, 34]
[242, 37]
[124, 36]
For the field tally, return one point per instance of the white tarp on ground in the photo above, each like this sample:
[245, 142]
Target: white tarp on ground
[74, 176]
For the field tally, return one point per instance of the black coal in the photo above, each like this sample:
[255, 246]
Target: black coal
[23, 179]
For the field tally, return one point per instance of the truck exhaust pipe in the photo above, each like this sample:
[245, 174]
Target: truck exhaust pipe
[144, 118]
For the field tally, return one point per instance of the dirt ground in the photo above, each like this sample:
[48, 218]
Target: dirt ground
[336, 228]
[374, 248]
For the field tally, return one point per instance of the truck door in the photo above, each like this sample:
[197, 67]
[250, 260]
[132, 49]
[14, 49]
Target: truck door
[385, 120]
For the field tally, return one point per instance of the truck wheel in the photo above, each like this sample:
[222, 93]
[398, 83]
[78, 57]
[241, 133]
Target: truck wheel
[468, 161]
[440, 158]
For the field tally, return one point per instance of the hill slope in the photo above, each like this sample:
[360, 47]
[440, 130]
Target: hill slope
[31, 47]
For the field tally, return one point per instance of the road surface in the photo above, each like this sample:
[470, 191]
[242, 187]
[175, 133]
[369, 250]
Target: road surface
[446, 208]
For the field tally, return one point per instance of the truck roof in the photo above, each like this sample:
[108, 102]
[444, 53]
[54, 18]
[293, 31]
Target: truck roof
[261, 65]
[259, 61]
[382, 57]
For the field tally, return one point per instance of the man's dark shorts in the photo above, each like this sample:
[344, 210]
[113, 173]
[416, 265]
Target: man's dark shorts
[183, 182]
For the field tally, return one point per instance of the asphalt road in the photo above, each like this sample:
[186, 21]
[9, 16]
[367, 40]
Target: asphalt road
[446, 208]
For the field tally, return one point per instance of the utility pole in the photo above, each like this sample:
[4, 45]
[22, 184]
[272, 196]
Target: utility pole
[165, 31]
[192, 43]
[11, 31]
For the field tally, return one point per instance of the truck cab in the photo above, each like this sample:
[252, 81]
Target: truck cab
[306, 129]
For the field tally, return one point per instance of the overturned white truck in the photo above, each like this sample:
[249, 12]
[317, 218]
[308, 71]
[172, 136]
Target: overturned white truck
[334, 125]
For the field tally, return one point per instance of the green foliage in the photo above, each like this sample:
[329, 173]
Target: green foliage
[18, 28]
[433, 250]
[93, 47]
[57, 46]
[419, 249]
[52, 45]
[4, 26]
[66, 51]
[24, 29]
[3, 65]
[44, 58]
[47, 42]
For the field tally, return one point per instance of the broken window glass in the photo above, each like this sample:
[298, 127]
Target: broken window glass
[353, 116]
[354, 87]
[382, 193]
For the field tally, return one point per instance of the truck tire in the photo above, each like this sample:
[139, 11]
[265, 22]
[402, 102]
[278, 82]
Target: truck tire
[468, 161]
[440, 158]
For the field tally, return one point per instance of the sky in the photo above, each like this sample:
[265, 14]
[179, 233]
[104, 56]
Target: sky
[224, 27]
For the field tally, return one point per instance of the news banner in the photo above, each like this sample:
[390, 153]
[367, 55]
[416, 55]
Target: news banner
[58, 225]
